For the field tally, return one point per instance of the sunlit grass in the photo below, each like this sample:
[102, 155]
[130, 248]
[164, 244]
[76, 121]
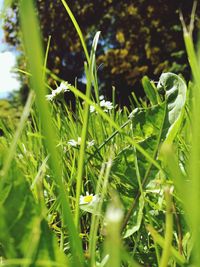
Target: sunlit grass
[100, 186]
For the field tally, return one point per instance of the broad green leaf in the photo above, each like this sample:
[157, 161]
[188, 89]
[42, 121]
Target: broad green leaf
[23, 231]
[164, 119]
[146, 126]
[124, 174]
[175, 92]
[151, 127]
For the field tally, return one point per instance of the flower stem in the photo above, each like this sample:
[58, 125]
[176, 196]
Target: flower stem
[169, 229]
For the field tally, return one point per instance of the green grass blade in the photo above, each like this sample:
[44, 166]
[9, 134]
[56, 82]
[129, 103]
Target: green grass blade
[81, 161]
[74, 21]
[11, 151]
[149, 90]
[34, 52]
[194, 168]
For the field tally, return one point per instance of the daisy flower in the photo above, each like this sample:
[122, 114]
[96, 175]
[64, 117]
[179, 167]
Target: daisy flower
[55, 94]
[90, 143]
[74, 143]
[88, 199]
[77, 143]
[92, 109]
[105, 105]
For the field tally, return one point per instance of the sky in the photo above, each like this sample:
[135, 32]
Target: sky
[8, 81]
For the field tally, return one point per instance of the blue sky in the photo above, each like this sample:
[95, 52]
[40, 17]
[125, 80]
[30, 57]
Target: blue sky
[8, 82]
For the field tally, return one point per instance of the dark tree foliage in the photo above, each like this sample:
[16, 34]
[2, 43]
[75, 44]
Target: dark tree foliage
[138, 38]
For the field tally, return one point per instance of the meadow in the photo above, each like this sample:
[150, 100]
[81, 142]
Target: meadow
[100, 185]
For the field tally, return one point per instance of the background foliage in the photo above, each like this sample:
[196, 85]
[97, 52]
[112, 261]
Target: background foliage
[138, 38]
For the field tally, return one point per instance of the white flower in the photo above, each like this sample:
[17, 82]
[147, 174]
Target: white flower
[49, 97]
[64, 86]
[92, 109]
[55, 94]
[90, 143]
[89, 199]
[77, 143]
[106, 105]
[132, 114]
[74, 143]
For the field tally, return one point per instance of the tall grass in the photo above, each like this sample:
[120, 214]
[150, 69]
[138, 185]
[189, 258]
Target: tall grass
[100, 186]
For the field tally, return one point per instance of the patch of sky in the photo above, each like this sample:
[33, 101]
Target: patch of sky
[8, 80]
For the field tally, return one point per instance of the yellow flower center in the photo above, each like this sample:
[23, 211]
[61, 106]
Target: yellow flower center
[88, 199]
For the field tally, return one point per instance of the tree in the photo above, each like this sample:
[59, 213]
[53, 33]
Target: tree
[138, 38]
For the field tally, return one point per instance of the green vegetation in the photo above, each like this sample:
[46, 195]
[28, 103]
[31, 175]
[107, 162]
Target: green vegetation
[100, 186]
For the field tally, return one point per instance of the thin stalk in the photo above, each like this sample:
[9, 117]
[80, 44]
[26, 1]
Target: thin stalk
[11, 151]
[45, 58]
[102, 185]
[89, 71]
[74, 21]
[34, 241]
[108, 139]
[112, 247]
[168, 230]
[81, 161]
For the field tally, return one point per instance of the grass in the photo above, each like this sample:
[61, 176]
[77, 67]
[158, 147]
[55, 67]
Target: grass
[100, 186]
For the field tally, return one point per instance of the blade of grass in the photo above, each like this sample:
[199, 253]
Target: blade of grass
[19, 262]
[81, 161]
[74, 21]
[168, 229]
[193, 199]
[90, 76]
[112, 244]
[101, 188]
[11, 151]
[34, 52]
[46, 57]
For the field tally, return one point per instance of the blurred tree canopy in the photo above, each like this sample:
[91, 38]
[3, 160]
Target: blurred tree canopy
[138, 38]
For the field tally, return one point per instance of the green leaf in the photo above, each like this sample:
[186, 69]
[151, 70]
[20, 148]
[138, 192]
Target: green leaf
[175, 92]
[136, 219]
[149, 90]
[23, 231]
[147, 128]
[124, 174]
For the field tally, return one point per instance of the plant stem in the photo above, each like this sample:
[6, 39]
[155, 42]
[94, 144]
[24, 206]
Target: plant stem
[169, 229]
